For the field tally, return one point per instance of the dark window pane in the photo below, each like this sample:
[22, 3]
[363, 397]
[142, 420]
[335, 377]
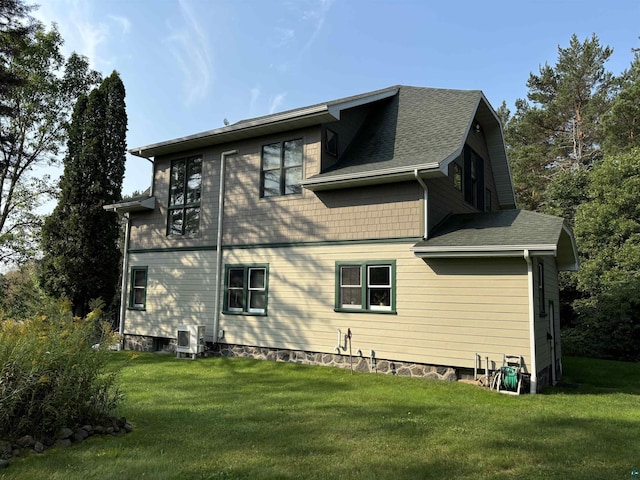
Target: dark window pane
[194, 180]
[175, 222]
[332, 142]
[271, 183]
[234, 300]
[138, 296]
[139, 278]
[176, 194]
[271, 156]
[380, 297]
[236, 277]
[257, 300]
[192, 220]
[380, 275]
[293, 153]
[292, 181]
[256, 278]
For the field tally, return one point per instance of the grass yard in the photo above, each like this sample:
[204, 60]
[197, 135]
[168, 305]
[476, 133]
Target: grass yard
[220, 418]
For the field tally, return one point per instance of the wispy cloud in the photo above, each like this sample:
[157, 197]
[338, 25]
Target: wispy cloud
[82, 33]
[189, 44]
[316, 15]
[255, 94]
[276, 101]
[283, 36]
[123, 22]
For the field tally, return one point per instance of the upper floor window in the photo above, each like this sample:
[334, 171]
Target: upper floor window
[473, 178]
[281, 168]
[331, 142]
[455, 171]
[185, 189]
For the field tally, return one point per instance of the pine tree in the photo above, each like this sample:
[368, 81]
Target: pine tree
[80, 239]
[556, 136]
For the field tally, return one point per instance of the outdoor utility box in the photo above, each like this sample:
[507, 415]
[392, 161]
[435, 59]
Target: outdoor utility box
[190, 340]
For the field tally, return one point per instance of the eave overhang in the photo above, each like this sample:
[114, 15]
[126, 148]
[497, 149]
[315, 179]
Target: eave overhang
[267, 125]
[138, 205]
[373, 177]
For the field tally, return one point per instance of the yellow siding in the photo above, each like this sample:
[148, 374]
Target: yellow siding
[446, 312]
[180, 290]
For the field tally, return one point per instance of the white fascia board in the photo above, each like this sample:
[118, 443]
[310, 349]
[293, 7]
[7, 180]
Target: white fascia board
[337, 108]
[484, 251]
[250, 125]
[386, 174]
[132, 206]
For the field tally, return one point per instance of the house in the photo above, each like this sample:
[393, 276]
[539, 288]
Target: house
[378, 231]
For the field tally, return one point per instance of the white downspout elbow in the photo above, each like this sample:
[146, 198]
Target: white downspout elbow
[425, 234]
[532, 324]
[218, 278]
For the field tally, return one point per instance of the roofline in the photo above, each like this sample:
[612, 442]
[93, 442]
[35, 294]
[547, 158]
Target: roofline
[484, 250]
[386, 175]
[138, 205]
[316, 114]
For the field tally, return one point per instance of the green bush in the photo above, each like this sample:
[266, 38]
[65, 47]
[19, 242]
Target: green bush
[52, 374]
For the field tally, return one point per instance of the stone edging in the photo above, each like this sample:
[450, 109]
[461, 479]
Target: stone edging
[62, 438]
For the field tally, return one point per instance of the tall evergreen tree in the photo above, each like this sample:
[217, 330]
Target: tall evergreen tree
[556, 135]
[80, 239]
[622, 122]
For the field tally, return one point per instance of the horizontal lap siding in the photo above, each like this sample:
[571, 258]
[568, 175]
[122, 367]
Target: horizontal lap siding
[445, 314]
[180, 290]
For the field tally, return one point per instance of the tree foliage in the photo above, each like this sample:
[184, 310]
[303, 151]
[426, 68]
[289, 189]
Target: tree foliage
[33, 132]
[608, 235]
[558, 131]
[80, 239]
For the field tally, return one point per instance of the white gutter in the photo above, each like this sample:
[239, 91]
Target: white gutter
[125, 272]
[218, 289]
[426, 203]
[532, 327]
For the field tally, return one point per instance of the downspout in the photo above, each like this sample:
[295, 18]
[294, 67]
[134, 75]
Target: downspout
[532, 326]
[218, 289]
[152, 172]
[425, 235]
[125, 272]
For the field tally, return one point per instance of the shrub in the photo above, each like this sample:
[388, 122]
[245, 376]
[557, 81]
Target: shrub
[50, 374]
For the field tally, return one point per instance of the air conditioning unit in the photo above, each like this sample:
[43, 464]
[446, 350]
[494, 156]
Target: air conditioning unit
[190, 340]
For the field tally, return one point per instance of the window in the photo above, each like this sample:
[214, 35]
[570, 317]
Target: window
[184, 196]
[487, 200]
[368, 286]
[456, 176]
[331, 142]
[473, 177]
[246, 289]
[138, 292]
[541, 300]
[281, 170]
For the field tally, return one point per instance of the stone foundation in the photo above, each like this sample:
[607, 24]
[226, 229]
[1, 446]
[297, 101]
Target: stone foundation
[142, 343]
[358, 363]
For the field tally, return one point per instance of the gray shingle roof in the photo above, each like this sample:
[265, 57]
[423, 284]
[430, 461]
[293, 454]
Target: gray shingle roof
[504, 230]
[418, 126]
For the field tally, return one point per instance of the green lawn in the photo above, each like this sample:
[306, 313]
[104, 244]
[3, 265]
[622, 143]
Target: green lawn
[221, 418]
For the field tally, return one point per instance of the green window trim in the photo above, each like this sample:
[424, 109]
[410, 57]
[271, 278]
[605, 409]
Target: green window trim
[246, 289]
[366, 287]
[138, 288]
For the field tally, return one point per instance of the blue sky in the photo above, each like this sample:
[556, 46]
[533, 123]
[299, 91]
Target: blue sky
[189, 64]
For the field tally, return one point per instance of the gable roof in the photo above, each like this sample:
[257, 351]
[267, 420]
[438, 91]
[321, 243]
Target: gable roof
[278, 122]
[423, 130]
[411, 131]
[502, 233]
